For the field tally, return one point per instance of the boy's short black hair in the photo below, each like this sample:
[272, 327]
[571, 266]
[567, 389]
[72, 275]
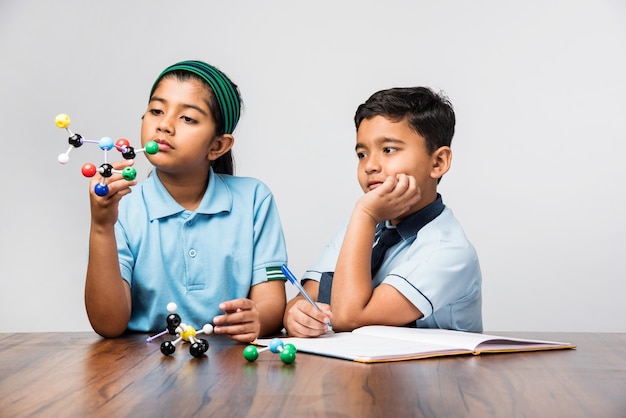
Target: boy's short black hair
[429, 114]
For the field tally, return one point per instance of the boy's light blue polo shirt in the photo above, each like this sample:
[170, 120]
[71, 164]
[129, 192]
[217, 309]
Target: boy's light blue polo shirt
[231, 242]
[436, 268]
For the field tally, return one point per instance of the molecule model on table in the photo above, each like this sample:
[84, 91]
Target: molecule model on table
[106, 144]
[277, 346]
[183, 333]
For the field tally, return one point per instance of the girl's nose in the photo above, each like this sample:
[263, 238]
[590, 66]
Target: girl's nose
[165, 125]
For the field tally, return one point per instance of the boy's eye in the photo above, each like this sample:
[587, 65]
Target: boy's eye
[360, 155]
[156, 111]
[389, 150]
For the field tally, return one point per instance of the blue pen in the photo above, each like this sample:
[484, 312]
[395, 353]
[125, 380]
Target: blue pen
[292, 279]
[297, 284]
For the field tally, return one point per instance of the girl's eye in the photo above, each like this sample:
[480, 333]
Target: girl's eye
[188, 119]
[360, 155]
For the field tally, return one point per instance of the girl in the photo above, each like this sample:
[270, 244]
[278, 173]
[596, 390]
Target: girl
[191, 233]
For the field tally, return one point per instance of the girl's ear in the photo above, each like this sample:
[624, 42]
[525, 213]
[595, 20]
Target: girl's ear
[441, 158]
[220, 146]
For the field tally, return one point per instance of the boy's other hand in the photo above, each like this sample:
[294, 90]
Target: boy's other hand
[303, 320]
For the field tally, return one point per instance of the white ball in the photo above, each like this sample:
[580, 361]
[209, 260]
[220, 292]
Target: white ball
[63, 158]
[171, 307]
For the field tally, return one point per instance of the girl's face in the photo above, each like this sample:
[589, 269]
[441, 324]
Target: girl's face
[179, 119]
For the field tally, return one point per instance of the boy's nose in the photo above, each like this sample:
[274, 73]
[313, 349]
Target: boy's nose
[372, 165]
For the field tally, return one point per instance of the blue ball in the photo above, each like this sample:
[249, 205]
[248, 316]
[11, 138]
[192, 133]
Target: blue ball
[101, 189]
[276, 345]
[106, 143]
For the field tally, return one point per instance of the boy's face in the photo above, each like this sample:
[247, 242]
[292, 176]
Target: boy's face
[387, 148]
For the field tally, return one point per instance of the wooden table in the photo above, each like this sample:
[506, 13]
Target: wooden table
[83, 375]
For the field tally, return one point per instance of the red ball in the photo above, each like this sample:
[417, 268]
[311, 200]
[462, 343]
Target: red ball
[122, 142]
[89, 170]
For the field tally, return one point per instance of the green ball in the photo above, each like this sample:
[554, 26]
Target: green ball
[129, 173]
[288, 355]
[250, 353]
[151, 147]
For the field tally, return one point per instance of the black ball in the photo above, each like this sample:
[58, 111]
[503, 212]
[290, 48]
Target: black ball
[173, 321]
[129, 154]
[197, 349]
[167, 348]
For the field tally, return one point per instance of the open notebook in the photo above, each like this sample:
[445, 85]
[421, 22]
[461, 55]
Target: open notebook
[378, 343]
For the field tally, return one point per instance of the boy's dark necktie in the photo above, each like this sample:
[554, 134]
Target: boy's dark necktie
[388, 238]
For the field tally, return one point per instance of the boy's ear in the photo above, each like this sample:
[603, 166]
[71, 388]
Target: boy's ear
[442, 159]
[220, 146]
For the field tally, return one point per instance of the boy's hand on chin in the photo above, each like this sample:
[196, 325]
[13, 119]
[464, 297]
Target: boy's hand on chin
[392, 199]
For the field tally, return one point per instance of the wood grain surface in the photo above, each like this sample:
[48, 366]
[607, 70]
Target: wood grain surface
[83, 375]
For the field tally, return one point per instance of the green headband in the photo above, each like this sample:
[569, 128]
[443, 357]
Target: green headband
[223, 89]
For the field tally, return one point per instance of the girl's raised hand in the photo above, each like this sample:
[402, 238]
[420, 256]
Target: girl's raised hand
[104, 208]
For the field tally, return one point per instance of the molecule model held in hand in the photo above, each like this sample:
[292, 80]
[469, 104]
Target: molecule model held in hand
[106, 144]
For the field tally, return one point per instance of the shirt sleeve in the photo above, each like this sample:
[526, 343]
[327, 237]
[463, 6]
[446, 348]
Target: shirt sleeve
[439, 269]
[269, 242]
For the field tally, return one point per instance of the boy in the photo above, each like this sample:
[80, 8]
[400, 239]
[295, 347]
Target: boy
[428, 276]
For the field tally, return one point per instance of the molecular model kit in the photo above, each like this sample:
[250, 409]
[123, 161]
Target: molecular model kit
[199, 346]
[183, 333]
[277, 346]
[106, 144]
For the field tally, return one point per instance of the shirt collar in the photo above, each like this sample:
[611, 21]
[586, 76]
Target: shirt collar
[411, 225]
[217, 198]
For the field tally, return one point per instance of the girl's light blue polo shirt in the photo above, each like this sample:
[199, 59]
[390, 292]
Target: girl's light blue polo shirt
[231, 242]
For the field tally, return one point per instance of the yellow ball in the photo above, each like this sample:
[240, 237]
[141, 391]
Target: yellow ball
[62, 120]
[188, 332]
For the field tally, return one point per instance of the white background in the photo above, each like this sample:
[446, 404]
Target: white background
[539, 153]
